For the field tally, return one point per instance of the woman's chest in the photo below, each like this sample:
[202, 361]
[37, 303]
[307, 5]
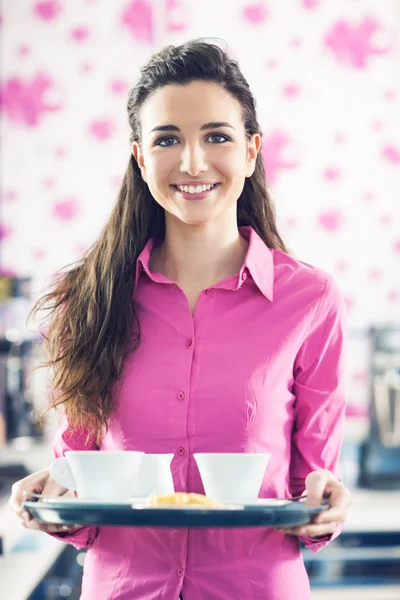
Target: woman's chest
[219, 379]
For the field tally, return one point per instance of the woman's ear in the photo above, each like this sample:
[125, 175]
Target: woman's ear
[137, 153]
[253, 148]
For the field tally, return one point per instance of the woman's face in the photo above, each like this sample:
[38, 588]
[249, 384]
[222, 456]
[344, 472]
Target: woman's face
[192, 150]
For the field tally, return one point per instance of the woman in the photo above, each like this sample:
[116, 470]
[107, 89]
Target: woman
[188, 328]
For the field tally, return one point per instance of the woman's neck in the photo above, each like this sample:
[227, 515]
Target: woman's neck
[199, 257]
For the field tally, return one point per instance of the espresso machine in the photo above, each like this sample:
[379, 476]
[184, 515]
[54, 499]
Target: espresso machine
[380, 454]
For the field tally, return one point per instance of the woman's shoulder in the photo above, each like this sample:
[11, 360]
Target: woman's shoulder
[291, 272]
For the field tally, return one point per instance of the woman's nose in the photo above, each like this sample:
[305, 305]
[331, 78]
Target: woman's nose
[193, 160]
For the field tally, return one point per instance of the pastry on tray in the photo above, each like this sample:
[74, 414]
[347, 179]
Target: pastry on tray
[182, 499]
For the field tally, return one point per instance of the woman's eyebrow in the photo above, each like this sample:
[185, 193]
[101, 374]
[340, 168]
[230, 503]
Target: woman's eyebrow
[214, 125]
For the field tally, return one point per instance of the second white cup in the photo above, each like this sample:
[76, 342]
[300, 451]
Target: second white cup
[232, 476]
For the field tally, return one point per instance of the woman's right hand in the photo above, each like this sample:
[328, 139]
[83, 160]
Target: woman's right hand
[38, 483]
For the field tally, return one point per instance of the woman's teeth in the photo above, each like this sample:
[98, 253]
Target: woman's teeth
[198, 189]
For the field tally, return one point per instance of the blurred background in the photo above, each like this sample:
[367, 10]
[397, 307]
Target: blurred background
[326, 80]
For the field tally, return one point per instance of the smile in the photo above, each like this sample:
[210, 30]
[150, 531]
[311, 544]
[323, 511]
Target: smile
[192, 194]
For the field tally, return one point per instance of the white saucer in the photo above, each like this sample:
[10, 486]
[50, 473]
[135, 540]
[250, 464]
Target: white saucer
[144, 505]
[77, 500]
[260, 502]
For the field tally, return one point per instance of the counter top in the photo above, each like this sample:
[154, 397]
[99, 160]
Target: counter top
[373, 510]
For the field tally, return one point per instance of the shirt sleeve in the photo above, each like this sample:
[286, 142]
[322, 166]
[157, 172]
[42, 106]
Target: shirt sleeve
[66, 439]
[319, 389]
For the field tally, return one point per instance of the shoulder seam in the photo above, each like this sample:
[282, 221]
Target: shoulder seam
[317, 304]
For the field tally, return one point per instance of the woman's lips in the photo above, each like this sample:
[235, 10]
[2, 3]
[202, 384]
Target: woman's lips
[200, 196]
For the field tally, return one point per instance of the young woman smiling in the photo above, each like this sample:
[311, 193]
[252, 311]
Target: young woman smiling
[187, 327]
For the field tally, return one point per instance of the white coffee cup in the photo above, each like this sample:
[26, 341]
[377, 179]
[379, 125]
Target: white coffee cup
[232, 476]
[154, 476]
[101, 475]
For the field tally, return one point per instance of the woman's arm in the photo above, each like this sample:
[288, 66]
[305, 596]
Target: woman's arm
[319, 388]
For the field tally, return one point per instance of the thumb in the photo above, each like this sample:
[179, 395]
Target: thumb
[52, 488]
[316, 485]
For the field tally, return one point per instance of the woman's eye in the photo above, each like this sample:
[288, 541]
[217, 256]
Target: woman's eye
[158, 142]
[218, 135]
[161, 141]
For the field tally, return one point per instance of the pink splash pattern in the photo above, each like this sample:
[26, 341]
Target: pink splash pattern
[80, 34]
[391, 154]
[331, 173]
[10, 195]
[353, 45]
[48, 10]
[255, 13]
[5, 231]
[24, 101]
[272, 150]
[176, 15]
[101, 129]
[118, 86]
[137, 16]
[331, 220]
[39, 254]
[66, 210]
[291, 90]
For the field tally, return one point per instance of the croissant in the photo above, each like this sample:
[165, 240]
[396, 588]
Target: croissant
[182, 498]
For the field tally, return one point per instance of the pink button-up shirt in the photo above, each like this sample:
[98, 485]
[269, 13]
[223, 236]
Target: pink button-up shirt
[258, 367]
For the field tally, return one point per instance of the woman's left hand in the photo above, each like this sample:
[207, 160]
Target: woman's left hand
[319, 484]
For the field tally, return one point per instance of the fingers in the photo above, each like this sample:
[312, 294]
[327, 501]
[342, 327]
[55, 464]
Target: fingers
[339, 501]
[320, 484]
[29, 523]
[311, 530]
[316, 484]
[323, 483]
[38, 483]
[32, 483]
[52, 488]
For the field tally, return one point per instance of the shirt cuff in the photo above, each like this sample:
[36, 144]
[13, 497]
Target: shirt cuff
[316, 544]
[80, 538]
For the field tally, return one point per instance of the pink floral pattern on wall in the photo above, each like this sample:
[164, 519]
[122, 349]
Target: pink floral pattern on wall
[353, 45]
[48, 10]
[137, 16]
[65, 210]
[272, 150]
[24, 101]
[328, 102]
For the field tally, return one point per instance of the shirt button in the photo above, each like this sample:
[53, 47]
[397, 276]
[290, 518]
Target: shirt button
[181, 396]
[244, 276]
[189, 342]
[209, 291]
[181, 451]
[180, 572]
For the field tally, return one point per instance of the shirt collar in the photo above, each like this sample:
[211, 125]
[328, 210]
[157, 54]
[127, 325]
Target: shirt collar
[143, 259]
[258, 262]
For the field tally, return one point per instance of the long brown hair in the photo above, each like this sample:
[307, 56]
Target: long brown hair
[93, 325]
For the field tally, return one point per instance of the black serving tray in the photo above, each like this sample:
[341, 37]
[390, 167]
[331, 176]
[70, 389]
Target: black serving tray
[232, 515]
